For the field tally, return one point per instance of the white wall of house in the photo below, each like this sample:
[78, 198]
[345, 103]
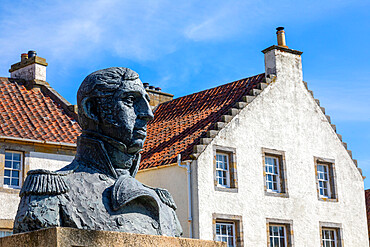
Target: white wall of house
[283, 117]
[38, 160]
[174, 179]
[9, 198]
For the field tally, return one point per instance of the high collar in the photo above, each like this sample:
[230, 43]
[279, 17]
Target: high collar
[92, 153]
[117, 144]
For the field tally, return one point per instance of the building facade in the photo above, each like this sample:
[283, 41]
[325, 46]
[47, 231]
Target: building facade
[266, 165]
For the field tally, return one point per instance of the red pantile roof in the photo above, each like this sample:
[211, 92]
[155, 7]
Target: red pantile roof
[367, 199]
[176, 128]
[32, 114]
[178, 124]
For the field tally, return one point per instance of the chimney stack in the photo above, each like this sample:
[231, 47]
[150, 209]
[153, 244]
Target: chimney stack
[282, 62]
[156, 95]
[31, 67]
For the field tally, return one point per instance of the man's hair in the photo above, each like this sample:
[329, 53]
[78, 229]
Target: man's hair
[101, 85]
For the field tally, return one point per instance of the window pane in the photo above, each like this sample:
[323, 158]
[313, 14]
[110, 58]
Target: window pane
[15, 174]
[8, 156]
[282, 242]
[7, 173]
[15, 182]
[17, 156]
[281, 231]
[7, 181]
[8, 164]
[16, 165]
[218, 229]
[223, 229]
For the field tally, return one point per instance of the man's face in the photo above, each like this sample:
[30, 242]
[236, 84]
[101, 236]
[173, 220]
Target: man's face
[130, 114]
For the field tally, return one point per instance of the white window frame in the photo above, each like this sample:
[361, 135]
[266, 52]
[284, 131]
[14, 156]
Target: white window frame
[323, 177]
[329, 242]
[272, 237]
[220, 236]
[273, 174]
[223, 170]
[20, 177]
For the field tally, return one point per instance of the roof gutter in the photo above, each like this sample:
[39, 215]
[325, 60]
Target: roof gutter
[10, 138]
[187, 167]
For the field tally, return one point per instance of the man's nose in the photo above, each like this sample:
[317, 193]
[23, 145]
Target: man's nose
[146, 112]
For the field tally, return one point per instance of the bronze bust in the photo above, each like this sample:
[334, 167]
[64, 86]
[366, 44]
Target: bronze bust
[98, 190]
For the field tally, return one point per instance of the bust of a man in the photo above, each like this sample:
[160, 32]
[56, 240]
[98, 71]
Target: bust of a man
[98, 190]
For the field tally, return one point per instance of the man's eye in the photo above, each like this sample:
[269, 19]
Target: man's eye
[128, 100]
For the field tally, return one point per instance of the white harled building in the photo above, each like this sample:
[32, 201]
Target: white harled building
[265, 164]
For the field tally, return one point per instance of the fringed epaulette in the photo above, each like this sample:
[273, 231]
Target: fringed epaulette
[165, 197]
[44, 182]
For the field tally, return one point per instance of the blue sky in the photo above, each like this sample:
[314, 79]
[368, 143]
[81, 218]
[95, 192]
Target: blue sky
[188, 46]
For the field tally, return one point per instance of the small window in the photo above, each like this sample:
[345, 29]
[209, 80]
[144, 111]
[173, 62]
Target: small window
[274, 172]
[13, 169]
[225, 232]
[325, 179]
[330, 237]
[272, 169]
[225, 175]
[278, 236]
[228, 228]
[279, 233]
[222, 170]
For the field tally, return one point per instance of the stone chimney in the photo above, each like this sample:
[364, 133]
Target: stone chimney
[31, 67]
[281, 61]
[156, 95]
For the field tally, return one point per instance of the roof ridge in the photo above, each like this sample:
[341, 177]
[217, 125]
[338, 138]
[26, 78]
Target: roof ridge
[212, 88]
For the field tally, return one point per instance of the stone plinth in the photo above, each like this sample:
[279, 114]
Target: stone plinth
[70, 237]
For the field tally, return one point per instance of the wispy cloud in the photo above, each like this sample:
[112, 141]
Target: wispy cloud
[139, 30]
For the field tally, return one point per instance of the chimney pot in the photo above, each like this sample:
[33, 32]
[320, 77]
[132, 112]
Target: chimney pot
[31, 54]
[24, 57]
[281, 37]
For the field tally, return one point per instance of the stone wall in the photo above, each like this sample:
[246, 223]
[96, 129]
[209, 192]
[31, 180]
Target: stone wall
[69, 237]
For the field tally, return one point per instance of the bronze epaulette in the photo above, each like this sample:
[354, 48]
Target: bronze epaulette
[44, 182]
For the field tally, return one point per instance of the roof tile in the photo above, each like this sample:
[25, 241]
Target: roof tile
[31, 114]
[179, 124]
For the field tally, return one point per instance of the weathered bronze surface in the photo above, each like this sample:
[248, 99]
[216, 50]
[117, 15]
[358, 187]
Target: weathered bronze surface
[98, 190]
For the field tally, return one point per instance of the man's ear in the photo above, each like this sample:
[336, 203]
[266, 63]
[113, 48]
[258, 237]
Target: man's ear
[90, 109]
